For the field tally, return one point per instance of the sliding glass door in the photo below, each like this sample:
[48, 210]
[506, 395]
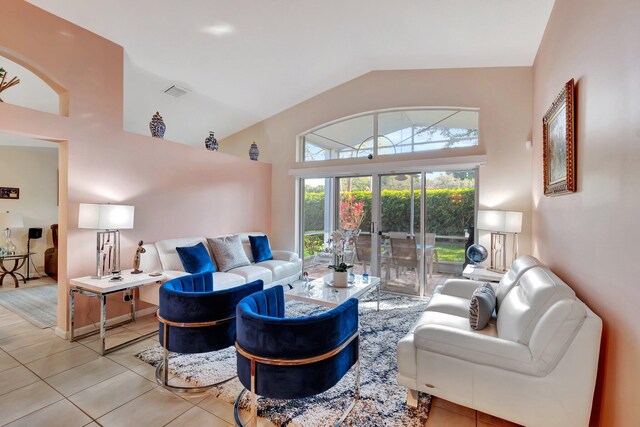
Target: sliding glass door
[450, 216]
[409, 229]
[400, 241]
[317, 223]
[354, 216]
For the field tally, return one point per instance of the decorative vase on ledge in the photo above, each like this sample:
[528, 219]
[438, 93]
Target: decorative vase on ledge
[254, 152]
[157, 126]
[211, 142]
[340, 279]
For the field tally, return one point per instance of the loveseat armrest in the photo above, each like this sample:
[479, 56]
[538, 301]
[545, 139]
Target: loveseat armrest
[284, 255]
[475, 347]
[462, 288]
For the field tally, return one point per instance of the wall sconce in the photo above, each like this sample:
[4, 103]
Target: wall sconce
[109, 219]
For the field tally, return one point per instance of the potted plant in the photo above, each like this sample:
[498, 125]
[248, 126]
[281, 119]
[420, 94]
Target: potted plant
[337, 245]
[340, 274]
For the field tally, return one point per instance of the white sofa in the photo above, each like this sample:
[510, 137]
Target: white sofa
[162, 256]
[534, 364]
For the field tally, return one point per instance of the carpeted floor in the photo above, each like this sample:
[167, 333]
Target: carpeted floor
[382, 401]
[38, 305]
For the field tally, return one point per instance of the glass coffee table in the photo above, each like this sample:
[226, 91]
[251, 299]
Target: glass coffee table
[320, 292]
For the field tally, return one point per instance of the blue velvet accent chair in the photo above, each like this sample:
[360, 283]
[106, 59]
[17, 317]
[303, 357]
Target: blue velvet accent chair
[195, 318]
[293, 358]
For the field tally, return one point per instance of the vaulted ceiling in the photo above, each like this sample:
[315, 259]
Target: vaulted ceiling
[259, 57]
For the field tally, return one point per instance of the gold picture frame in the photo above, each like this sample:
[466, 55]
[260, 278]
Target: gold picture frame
[559, 144]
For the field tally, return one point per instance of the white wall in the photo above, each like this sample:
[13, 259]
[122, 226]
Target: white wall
[31, 92]
[503, 95]
[189, 118]
[34, 170]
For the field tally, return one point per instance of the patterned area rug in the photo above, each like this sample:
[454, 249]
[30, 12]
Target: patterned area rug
[38, 305]
[382, 400]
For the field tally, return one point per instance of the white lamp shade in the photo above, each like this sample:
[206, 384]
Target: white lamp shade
[105, 216]
[10, 220]
[501, 221]
[513, 222]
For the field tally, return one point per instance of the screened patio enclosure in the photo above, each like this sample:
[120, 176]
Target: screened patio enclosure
[398, 131]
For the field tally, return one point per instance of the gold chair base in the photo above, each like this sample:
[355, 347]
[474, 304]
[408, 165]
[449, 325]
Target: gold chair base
[253, 420]
[184, 389]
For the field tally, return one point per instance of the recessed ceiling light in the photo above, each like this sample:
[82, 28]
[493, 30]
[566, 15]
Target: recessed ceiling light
[221, 29]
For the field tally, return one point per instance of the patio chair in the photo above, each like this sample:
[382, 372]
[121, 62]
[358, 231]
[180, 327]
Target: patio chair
[404, 254]
[363, 254]
[397, 235]
[363, 251]
[430, 252]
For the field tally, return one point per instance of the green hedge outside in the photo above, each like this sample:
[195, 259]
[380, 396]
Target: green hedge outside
[449, 212]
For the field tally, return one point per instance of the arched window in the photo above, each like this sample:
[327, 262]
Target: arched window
[398, 131]
[31, 91]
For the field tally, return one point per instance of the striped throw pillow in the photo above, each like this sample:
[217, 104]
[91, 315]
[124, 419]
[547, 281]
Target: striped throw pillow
[483, 302]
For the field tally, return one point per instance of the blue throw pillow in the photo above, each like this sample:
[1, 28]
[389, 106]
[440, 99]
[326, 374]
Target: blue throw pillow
[260, 248]
[196, 259]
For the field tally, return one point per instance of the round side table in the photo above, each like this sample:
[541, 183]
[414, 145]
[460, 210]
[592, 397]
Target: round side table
[12, 270]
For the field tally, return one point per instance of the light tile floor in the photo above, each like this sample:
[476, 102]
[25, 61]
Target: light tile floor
[48, 381]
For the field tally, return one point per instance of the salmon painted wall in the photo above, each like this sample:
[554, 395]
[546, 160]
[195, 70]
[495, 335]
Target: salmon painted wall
[590, 238]
[502, 94]
[177, 190]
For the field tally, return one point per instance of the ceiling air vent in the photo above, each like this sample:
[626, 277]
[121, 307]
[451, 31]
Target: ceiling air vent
[177, 91]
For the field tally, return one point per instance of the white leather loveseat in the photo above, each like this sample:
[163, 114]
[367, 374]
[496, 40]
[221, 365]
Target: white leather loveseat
[162, 256]
[534, 364]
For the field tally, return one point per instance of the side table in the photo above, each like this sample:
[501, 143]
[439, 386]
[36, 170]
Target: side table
[100, 288]
[481, 273]
[12, 271]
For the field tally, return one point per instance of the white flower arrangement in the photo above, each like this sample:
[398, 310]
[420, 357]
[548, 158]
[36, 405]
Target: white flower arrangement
[337, 245]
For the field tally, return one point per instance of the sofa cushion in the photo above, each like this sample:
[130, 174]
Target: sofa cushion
[449, 304]
[511, 277]
[196, 259]
[169, 255]
[149, 259]
[223, 280]
[253, 272]
[525, 304]
[246, 244]
[481, 306]
[228, 252]
[281, 269]
[260, 248]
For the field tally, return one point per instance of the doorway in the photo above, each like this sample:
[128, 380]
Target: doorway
[28, 217]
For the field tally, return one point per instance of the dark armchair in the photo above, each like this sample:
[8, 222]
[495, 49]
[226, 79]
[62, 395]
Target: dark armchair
[292, 358]
[51, 255]
[194, 318]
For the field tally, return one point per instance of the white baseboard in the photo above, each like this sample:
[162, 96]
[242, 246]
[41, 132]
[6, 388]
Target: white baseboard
[92, 328]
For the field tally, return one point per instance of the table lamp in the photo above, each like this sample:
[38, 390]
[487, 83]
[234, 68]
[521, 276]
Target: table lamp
[109, 220]
[500, 223]
[8, 221]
